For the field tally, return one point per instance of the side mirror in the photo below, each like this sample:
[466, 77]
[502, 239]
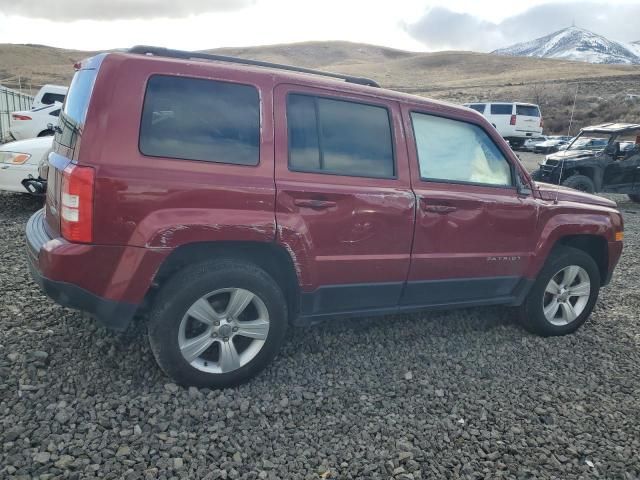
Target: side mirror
[522, 188]
[54, 128]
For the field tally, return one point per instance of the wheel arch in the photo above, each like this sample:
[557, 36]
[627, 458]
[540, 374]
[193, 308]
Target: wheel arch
[271, 257]
[593, 245]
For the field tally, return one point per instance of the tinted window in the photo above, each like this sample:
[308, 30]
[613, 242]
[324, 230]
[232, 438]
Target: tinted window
[55, 113]
[450, 150]
[335, 136]
[501, 109]
[49, 98]
[527, 110]
[478, 107]
[198, 119]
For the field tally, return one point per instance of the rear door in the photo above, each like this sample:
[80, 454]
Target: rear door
[344, 205]
[474, 235]
[499, 114]
[528, 120]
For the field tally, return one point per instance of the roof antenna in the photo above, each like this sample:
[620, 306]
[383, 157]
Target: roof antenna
[575, 97]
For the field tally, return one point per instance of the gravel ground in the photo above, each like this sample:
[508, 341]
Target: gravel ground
[464, 394]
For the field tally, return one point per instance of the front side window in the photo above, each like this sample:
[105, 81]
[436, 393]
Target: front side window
[198, 119]
[455, 151]
[339, 137]
[501, 109]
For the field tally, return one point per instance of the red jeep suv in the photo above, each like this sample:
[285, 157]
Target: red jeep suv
[226, 199]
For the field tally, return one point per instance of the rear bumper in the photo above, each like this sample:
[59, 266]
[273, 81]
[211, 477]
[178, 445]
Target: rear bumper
[43, 251]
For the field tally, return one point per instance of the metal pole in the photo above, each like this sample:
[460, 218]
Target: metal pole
[573, 110]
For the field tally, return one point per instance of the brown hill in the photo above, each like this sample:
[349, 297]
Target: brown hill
[454, 76]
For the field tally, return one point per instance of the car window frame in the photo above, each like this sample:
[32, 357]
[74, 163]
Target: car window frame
[348, 100]
[219, 80]
[512, 168]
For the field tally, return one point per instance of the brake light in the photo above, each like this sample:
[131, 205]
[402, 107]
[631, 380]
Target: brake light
[513, 120]
[76, 209]
[541, 123]
[15, 116]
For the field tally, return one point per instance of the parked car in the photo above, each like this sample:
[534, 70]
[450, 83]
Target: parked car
[515, 121]
[48, 95]
[530, 143]
[227, 200]
[19, 160]
[34, 123]
[552, 144]
[610, 169]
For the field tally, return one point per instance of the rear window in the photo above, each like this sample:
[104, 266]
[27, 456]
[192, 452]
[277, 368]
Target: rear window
[51, 98]
[339, 137]
[478, 107]
[197, 119]
[501, 109]
[527, 110]
[75, 107]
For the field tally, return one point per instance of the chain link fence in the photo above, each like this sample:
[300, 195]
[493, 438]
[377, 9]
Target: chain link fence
[10, 101]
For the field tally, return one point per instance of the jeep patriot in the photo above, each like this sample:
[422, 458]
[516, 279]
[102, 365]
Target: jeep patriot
[228, 199]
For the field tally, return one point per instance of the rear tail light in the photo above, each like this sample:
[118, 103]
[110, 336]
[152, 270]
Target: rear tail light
[15, 116]
[513, 120]
[76, 209]
[541, 123]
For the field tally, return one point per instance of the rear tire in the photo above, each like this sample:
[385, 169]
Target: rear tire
[217, 324]
[634, 197]
[563, 295]
[581, 183]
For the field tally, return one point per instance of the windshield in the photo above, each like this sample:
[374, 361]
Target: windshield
[589, 141]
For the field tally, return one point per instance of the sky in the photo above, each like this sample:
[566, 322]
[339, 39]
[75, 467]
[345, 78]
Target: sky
[418, 25]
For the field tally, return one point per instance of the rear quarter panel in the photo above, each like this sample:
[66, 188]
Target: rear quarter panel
[163, 203]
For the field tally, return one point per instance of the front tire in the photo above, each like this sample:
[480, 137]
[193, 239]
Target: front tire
[581, 183]
[563, 295]
[217, 324]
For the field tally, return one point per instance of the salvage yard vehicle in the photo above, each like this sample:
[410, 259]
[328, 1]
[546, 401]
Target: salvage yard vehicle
[226, 199]
[530, 143]
[48, 95]
[40, 122]
[515, 121]
[551, 144]
[19, 160]
[593, 164]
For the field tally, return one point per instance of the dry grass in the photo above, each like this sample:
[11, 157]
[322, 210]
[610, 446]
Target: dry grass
[453, 76]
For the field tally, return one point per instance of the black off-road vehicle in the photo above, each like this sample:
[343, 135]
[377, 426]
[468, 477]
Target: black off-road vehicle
[614, 167]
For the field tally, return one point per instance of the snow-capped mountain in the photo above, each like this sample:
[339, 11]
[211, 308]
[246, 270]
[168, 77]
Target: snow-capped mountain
[577, 44]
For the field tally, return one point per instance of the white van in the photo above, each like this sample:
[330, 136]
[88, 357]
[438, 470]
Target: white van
[48, 95]
[514, 121]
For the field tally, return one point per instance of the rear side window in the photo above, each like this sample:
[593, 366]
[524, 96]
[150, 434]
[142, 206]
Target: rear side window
[75, 107]
[501, 109]
[197, 119]
[50, 98]
[478, 107]
[458, 152]
[339, 137]
[527, 110]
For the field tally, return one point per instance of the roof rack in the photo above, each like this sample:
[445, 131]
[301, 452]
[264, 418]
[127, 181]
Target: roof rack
[186, 55]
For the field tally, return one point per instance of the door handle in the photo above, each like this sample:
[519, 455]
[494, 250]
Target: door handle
[442, 209]
[314, 203]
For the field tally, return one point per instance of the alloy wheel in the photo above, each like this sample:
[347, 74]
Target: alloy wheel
[223, 330]
[566, 295]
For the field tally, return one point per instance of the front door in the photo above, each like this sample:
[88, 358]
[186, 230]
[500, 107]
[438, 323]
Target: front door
[344, 206]
[474, 235]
